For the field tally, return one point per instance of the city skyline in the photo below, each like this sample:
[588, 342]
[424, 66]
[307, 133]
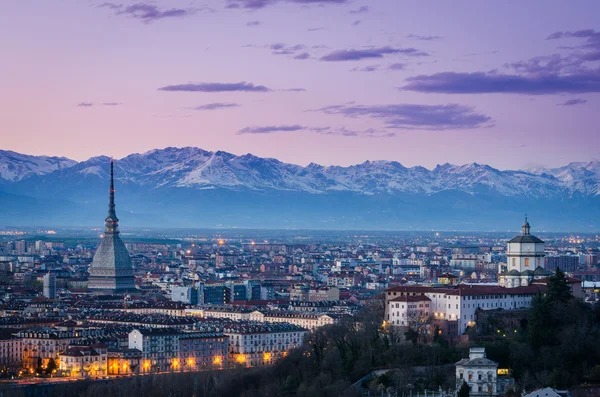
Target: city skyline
[325, 81]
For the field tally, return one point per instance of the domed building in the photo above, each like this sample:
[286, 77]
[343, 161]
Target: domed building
[111, 269]
[525, 260]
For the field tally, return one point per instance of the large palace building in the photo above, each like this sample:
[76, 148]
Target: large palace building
[111, 269]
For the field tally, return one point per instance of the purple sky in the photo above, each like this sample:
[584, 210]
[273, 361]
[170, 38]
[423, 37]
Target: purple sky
[511, 84]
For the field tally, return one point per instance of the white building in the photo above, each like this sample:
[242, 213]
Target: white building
[460, 303]
[302, 319]
[252, 343]
[407, 311]
[49, 282]
[524, 257]
[479, 372]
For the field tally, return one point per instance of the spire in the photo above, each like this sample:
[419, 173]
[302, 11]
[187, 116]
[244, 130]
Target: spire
[525, 228]
[111, 222]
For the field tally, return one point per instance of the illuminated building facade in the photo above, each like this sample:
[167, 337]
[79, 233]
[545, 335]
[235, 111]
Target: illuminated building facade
[252, 344]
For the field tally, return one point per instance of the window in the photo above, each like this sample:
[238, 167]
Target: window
[514, 262]
[526, 261]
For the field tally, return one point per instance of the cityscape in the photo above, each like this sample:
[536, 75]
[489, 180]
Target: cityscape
[417, 213]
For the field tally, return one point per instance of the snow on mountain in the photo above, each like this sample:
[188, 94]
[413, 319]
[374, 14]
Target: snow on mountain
[15, 166]
[195, 168]
[583, 178]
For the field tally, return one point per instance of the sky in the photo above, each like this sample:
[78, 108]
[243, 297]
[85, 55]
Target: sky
[511, 84]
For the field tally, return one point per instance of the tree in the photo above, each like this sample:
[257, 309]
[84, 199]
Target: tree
[464, 390]
[558, 288]
[51, 366]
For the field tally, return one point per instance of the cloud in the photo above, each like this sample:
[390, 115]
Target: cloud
[342, 131]
[415, 117]
[216, 87]
[302, 56]
[576, 72]
[294, 89]
[315, 29]
[491, 82]
[573, 102]
[270, 129]
[423, 38]
[215, 106]
[356, 23]
[360, 10]
[397, 66]
[253, 23]
[148, 12]
[370, 68]
[256, 4]
[283, 49]
[378, 52]
[90, 104]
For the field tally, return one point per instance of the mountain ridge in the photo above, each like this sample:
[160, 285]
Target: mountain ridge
[194, 187]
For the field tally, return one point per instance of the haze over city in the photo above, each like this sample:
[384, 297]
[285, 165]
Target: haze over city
[335, 82]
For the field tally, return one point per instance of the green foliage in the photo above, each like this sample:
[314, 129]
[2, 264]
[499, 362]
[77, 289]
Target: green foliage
[558, 288]
[51, 366]
[464, 390]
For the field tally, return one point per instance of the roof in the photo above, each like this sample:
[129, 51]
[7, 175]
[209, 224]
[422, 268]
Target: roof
[411, 298]
[546, 392]
[527, 238]
[477, 362]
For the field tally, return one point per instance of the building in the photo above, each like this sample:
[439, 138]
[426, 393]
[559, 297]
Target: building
[548, 392]
[84, 361]
[302, 319]
[49, 283]
[409, 310]
[479, 372]
[11, 351]
[253, 343]
[189, 295]
[123, 361]
[459, 303]
[111, 268]
[45, 344]
[524, 255]
[169, 349]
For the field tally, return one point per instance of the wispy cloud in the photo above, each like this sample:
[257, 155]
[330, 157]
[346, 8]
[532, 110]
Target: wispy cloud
[360, 10]
[148, 12]
[256, 4]
[270, 129]
[302, 56]
[491, 82]
[216, 106]
[370, 68]
[294, 89]
[397, 66]
[283, 49]
[573, 102]
[574, 73]
[90, 104]
[376, 52]
[315, 29]
[216, 87]
[415, 117]
[423, 38]
[356, 23]
[341, 131]
[253, 23]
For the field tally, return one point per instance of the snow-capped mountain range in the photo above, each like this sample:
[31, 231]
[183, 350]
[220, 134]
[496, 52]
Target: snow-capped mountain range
[192, 167]
[166, 179]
